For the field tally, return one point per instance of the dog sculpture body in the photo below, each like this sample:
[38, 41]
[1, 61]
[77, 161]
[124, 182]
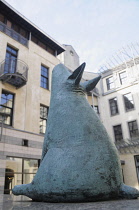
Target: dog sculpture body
[79, 160]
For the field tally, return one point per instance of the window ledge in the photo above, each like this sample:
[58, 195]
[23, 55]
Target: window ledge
[45, 89]
[115, 115]
[130, 110]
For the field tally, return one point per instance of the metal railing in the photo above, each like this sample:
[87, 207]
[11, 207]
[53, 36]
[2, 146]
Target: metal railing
[14, 66]
[10, 32]
[128, 145]
[14, 72]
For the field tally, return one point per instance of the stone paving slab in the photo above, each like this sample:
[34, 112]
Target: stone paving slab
[11, 202]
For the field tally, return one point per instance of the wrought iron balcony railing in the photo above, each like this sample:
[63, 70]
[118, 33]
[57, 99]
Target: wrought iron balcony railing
[14, 72]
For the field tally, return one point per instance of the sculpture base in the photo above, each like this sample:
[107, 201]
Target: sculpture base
[22, 202]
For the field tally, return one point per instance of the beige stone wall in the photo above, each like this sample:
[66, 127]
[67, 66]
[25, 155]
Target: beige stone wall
[26, 104]
[29, 97]
[93, 100]
[89, 98]
[129, 170]
[11, 145]
[69, 57]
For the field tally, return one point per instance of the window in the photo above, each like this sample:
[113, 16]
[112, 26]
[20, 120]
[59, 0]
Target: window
[10, 60]
[123, 77]
[25, 142]
[9, 23]
[12, 25]
[23, 33]
[2, 18]
[96, 109]
[44, 77]
[133, 128]
[43, 118]
[19, 171]
[50, 50]
[128, 100]
[43, 45]
[118, 132]
[137, 165]
[110, 83]
[6, 107]
[71, 52]
[113, 106]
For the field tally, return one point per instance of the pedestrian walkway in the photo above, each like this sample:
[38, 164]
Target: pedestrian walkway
[11, 202]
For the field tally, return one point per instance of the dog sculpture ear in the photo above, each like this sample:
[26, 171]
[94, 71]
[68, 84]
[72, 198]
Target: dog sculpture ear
[77, 74]
[90, 85]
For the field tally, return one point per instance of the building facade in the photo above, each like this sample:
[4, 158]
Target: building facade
[27, 57]
[119, 97]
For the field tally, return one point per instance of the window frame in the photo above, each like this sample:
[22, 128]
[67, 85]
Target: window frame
[117, 140]
[133, 136]
[10, 57]
[128, 109]
[108, 83]
[10, 108]
[22, 172]
[43, 118]
[43, 77]
[137, 166]
[95, 108]
[124, 78]
[113, 106]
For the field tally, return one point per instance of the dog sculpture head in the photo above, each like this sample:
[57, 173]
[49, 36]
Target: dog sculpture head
[72, 81]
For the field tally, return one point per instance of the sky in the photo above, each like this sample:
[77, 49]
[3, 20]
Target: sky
[96, 29]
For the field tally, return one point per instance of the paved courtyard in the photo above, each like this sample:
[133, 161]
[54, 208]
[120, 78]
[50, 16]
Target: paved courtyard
[10, 202]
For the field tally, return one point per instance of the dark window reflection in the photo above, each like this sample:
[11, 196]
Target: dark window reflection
[133, 128]
[44, 77]
[113, 106]
[123, 77]
[19, 171]
[128, 100]
[118, 132]
[110, 83]
[6, 107]
[43, 118]
[10, 60]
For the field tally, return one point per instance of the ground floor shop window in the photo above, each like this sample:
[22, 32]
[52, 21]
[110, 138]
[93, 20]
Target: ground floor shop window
[19, 171]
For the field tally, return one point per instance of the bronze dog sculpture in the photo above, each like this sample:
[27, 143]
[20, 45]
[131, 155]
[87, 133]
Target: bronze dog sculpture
[79, 160]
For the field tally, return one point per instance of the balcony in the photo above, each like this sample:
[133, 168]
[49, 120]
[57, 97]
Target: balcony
[10, 32]
[14, 72]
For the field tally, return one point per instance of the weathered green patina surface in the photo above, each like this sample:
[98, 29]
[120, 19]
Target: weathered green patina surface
[79, 160]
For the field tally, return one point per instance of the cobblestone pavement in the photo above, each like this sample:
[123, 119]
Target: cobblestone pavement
[10, 202]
